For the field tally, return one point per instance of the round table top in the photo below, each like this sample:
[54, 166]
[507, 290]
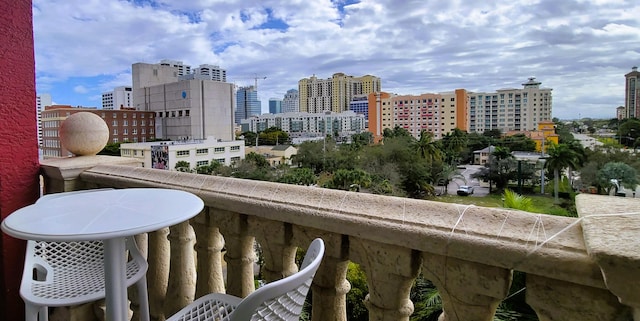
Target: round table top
[103, 214]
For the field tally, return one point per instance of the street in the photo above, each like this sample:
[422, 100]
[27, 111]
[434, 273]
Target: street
[479, 189]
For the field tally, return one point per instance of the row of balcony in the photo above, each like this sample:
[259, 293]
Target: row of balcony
[585, 268]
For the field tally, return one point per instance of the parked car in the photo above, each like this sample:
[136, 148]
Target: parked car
[465, 190]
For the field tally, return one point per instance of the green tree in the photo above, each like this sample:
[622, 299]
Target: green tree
[349, 179]
[519, 142]
[624, 174]
[183, 166]
[561, 156]
[258, 160]
[427, 147]
[111, 149]
[299, 176]
[517, 201]
[453, 144]
[250, 138]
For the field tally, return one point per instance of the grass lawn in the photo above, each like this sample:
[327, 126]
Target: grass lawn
[542, 203]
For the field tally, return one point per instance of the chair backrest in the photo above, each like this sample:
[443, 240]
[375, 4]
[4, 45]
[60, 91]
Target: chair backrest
[283, 299]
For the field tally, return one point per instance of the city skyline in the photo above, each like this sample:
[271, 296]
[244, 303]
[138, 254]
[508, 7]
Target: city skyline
[581, 50]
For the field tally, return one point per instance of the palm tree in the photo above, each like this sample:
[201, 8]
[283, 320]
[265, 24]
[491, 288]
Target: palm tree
[427, 148]
[561, 156]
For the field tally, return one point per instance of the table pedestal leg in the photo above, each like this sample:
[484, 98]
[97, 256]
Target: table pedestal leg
[115, 279]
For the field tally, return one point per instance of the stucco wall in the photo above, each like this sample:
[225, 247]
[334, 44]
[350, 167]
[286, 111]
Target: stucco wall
[18, 141]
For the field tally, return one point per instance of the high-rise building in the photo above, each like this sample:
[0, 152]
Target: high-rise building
[360, 105]
[211, 72]
[118, 98]
[42, 101]
[179, 65]
[291, 101]
[247, 103]
[335, 93]
[510, 109]
[275, 106]
[632, 94]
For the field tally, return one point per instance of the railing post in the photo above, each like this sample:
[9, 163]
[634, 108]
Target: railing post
[469, 290]
[275, 242]
[182, 272]
[330, 284]
[390, 271]
[158, 274]
[240, 256]
[209, 245]
[556, 300]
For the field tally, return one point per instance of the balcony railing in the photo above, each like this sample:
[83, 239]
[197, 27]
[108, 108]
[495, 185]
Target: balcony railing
[576, 269]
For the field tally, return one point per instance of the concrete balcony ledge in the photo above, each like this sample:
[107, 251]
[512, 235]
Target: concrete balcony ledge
[546, 245]
[612, 235]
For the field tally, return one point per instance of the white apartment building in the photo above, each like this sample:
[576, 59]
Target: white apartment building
[211, 72]
[42, 100]
[510, 109]
[291, 101]
[117, 98]
[179, 65]
[165, 155]
[296, 125]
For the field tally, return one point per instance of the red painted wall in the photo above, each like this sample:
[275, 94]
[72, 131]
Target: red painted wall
[18, 142]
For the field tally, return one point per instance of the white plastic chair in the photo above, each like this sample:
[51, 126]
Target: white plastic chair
[71, 273]
[278, 300]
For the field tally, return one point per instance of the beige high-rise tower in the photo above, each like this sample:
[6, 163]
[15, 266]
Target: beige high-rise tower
[335, 93]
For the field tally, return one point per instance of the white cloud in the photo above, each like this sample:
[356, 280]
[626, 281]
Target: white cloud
[80, 89]
[414, 46]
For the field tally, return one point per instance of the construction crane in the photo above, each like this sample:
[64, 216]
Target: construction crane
[255, 80]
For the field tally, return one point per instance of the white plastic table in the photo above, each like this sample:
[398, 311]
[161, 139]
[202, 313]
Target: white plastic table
[107, 215]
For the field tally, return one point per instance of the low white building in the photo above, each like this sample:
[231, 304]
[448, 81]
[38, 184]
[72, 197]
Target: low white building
[165, 155]
[301, 124]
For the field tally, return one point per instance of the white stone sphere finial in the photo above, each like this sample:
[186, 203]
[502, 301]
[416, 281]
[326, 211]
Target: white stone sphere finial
[84, 133]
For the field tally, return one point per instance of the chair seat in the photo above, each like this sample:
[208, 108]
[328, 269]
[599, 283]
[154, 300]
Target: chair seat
[69, 273]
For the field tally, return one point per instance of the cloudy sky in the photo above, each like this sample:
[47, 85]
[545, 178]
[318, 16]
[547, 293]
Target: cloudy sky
[581, 49]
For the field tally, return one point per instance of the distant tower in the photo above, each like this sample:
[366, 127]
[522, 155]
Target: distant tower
[275, 106]
[42, 100]
[632, 93]
[211, 72]
[182, 68]
[291, 101]
[247, 103]
[117, 98]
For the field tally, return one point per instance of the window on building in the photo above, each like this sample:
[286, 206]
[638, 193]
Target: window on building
[114, 123]
[235, 148]
[134, 131]
[115, 131]
[202, 163]
[202, 151]
[125, 122]
[135, 122]
[124, 115]
[144, 131]
[235, 159]
[186, 113]
[125, 131]
[218, 150]
[104, 115]
[220, 160]
[181, 153]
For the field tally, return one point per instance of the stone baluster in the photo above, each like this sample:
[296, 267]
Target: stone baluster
[277, 252]
[209, 245]
[159, 256]
[330, 285]
[563, 301]
[240, 256]
[470, 291]
[181, 287]
[390, 271]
